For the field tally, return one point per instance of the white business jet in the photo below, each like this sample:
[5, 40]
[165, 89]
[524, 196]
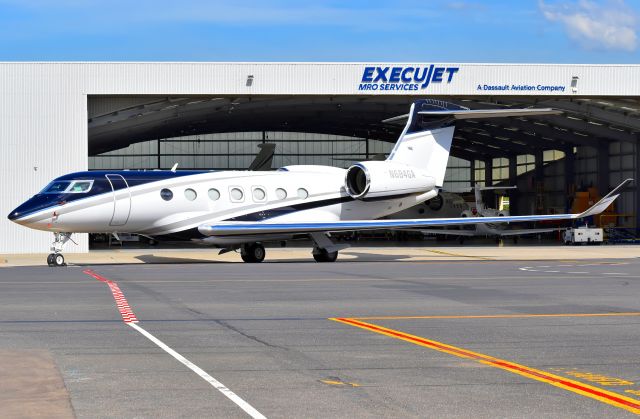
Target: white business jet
[243, 209]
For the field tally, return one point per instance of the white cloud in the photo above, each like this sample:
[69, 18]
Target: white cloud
[610, 25]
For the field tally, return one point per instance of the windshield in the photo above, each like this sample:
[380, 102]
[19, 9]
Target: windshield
[57, 186]
[68, 186]
[80, 186]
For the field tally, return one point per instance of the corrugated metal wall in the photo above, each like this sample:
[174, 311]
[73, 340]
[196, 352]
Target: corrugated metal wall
[43, 134]
[43, 107]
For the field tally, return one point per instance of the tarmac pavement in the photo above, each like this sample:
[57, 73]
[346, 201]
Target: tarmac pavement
[385, 333]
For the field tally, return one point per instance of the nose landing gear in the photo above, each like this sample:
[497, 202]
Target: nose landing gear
[57, 258]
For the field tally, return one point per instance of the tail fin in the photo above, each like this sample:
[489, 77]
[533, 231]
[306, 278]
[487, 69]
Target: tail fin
[263, 159]
[425, 142]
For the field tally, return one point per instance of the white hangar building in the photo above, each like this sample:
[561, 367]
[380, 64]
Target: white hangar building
[57, 118]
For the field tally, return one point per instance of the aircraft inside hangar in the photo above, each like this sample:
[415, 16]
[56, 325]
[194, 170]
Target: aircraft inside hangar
[556, 160]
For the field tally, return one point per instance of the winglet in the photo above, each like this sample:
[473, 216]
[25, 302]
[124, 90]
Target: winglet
[602, 204]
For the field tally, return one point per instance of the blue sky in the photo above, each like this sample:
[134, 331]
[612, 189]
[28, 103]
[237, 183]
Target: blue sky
[554, 31]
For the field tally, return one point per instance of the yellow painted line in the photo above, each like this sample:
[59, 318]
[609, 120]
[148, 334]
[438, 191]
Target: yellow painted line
[332, 382]
[500, 316]
[601, 379]
[339, 383]
[596, 393]
[440, 252]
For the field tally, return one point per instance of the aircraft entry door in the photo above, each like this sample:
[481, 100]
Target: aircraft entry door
[121, 200]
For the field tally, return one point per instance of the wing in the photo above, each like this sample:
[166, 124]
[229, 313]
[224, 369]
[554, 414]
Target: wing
[466, 233]
[239, 228]
[527, 231]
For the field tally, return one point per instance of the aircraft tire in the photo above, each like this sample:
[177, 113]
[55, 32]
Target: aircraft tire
[57, 260]
[322, 255]
[253, 253]
[50, 260]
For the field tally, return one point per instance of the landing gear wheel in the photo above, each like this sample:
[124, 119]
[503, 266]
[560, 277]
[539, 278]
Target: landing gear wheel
[56, 259]
[253, 253]
[59, 260]
[321, 255]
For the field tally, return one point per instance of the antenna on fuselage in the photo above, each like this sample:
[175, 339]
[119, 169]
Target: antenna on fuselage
[175, 166]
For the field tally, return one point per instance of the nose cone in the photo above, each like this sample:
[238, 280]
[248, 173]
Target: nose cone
[13, 215]
[32, 206]
[21, 211]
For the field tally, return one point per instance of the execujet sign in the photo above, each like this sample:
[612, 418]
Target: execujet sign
[405, 78]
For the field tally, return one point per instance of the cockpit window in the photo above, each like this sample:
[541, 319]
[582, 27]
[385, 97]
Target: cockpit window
[67, 186]
[57, 186]
[80, 186]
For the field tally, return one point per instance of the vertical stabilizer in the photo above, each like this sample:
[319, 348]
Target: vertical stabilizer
[477, 190]
[425, 141]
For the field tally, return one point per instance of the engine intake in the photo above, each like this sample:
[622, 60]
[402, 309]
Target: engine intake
[383, 178]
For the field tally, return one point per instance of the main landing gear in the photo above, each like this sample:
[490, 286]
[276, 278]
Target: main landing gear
[252, 252]
[325, 250]
[322, 255]
[57, 258]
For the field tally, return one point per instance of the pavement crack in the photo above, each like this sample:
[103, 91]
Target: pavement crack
[250, 337]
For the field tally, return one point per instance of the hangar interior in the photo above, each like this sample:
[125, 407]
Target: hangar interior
[592, 146]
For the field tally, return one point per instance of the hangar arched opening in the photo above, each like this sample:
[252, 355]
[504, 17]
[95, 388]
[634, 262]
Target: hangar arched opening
[592, 145]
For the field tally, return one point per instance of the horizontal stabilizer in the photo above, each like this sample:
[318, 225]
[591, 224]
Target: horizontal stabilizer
[476, 113]
[240, 228]
[490, 113]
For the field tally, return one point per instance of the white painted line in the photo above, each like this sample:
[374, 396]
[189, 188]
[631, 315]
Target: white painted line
[250, 410]
[577, 272]
[614, 273]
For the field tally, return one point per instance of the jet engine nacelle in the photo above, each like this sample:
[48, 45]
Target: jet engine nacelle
[372, 179]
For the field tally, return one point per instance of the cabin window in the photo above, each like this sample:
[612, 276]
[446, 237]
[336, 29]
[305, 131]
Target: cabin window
[166, 194]
[190, 194]
[302, 193]
[259, 194]
[236, 194]
[214, 194]
[281, 193]
[57, 186]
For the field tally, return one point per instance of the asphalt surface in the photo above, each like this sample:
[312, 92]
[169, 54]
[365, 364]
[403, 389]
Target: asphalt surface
[264, 331]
